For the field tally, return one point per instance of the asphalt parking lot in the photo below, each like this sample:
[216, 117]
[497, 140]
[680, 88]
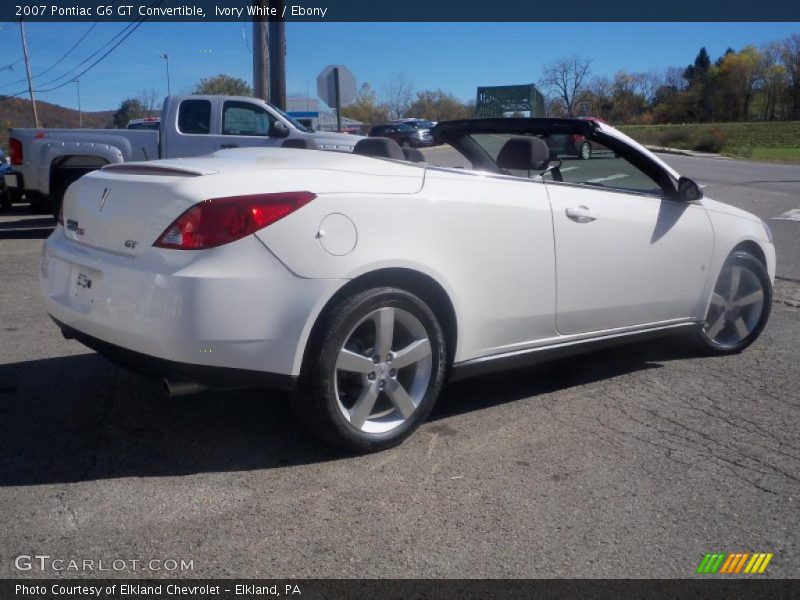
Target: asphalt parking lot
[631, 462]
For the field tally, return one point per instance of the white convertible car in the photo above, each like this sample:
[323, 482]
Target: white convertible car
[364, 281]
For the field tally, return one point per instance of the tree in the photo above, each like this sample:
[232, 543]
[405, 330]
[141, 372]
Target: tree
[223, 85]
[737, 77]
[398, 93]
[436, 105]
[774, 82]
[700, 77]
[790, 58]
[366, 108]
[566, 79]
[148, 99]
[128, 110]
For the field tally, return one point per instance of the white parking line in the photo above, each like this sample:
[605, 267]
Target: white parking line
[789, 215]
[609, 178]
[565, 169]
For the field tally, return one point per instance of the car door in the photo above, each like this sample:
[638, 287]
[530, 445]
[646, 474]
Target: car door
[245, 124]
[626, 254]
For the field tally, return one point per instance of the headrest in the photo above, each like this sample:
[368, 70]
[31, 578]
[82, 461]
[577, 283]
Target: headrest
[302, 143]
[379, 146]
[524, 152]
[413, 155]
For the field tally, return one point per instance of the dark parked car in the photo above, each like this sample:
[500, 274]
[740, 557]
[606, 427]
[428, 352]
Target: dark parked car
[416, 123]
[405, 135]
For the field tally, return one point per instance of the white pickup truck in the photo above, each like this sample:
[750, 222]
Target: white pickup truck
[45, 162]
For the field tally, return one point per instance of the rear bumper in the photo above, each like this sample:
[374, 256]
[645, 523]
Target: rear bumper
[190, 314]
[157, 368]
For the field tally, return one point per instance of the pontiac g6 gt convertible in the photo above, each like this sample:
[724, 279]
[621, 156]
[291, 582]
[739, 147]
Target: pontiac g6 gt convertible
[364, 281]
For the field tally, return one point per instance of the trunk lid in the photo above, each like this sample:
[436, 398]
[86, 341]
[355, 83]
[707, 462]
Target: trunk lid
[123, 208]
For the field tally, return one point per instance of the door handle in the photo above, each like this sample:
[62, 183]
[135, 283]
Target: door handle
[226, 146]
[581, 214]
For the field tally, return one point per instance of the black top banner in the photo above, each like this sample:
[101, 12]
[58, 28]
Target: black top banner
[402, 11]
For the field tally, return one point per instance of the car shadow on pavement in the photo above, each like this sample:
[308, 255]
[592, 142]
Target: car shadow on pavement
[80, 418]
[554, 375]
[27, 228]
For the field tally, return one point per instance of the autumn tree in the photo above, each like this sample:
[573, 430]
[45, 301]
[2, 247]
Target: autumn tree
[223, 85]
[436, 105]
[366, 108]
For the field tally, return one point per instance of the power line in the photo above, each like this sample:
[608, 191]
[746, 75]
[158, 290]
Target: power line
[59, 61]
[133, 26]
[11, 66]
[69, 74]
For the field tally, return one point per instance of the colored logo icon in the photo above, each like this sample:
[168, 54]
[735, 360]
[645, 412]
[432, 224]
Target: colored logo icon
[723, 563]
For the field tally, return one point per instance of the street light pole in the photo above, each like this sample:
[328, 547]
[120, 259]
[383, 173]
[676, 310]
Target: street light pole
[165, 56]
[80, 112]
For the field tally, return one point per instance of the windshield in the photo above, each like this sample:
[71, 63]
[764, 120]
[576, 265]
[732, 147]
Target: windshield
[291, 120]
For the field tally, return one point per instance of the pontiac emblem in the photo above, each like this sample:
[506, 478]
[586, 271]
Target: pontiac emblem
[103, 199]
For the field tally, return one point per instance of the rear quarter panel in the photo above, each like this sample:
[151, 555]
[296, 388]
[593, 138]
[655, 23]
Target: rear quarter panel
[487, 241]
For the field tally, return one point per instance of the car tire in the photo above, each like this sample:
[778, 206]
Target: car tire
[585, 151]
[352, 393]
[5, 199]
[739, 307]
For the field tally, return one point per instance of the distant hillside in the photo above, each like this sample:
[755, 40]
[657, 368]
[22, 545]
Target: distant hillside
[16, 112]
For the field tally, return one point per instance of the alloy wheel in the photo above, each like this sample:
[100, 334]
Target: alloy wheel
[737, 305]
[383, 370]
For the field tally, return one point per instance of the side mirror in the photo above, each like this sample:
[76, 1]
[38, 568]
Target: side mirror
[279, 130]
[688, 190]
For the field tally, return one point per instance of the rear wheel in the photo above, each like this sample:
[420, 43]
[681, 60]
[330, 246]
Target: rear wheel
[585, 151]
[739, 308]
[377, 372]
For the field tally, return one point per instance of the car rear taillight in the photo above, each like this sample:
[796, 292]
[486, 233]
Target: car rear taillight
[219, 221]
[15, 151]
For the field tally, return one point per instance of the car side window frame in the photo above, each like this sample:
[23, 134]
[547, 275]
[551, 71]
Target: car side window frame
[193, 102]
[227, 104]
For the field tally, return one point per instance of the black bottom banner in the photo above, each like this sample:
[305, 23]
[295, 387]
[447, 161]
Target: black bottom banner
[397, 589]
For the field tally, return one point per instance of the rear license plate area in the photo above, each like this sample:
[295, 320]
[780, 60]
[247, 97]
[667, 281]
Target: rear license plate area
[83, 289]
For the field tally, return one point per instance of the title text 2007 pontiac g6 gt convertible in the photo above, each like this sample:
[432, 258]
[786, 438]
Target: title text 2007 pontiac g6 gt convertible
[362, 281]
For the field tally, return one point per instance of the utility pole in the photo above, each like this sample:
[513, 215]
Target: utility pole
[277, 58]
[260, 51]
[338, 94]
[80, 112]
[28, 70]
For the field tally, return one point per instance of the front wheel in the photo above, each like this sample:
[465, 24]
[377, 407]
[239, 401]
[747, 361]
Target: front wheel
[377, 367]
[739, 308]
[585, 152]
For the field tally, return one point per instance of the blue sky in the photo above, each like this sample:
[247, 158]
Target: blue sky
[456, 57]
